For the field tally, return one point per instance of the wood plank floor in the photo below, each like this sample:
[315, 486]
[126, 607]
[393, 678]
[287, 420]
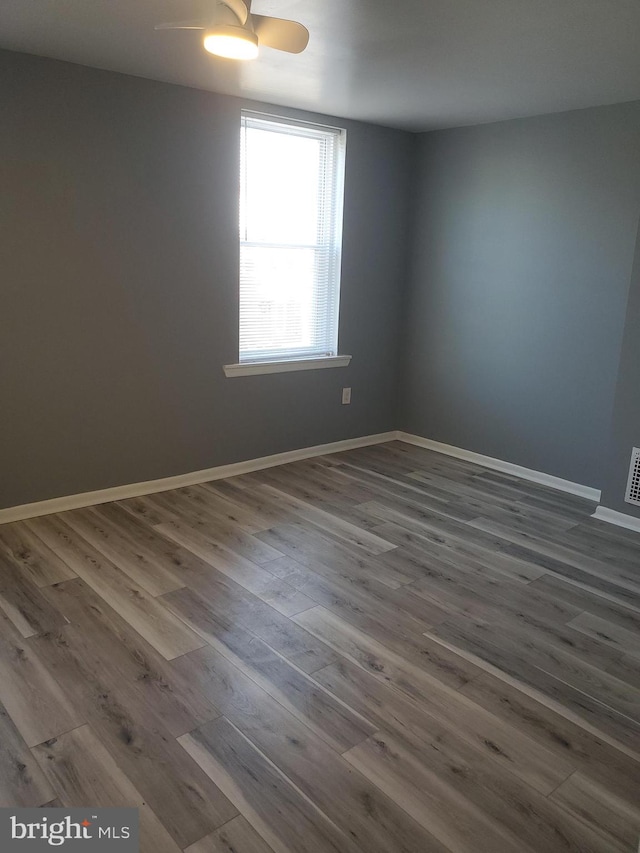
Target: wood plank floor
[385, 650]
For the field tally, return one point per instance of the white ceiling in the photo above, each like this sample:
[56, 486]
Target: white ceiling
[415, 64]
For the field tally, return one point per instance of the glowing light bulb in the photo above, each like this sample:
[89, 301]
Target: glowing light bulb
[231, 42]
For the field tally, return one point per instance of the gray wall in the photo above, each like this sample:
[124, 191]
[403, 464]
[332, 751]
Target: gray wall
[118, 297]
[625, 432]
[524, 235]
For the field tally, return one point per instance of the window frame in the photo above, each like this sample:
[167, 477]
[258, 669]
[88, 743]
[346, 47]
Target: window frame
[313, 361]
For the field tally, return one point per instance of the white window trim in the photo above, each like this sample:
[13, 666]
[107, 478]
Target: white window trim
[253, 368]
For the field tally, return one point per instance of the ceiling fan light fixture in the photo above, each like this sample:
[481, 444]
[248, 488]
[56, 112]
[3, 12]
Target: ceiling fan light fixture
[231, 42]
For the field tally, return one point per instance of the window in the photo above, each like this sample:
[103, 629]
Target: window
[291, 179]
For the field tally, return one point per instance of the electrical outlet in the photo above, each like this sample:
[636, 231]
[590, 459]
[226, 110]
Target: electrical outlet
[346, 396]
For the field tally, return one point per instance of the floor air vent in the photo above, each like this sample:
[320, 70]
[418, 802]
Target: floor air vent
[633, 486]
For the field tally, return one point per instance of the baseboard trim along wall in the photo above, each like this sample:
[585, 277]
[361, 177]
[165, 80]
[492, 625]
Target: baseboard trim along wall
[136, 490]
[505, 467]
[621, 519]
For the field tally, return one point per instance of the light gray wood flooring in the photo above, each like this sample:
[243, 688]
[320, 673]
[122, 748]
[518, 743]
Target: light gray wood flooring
[385, 650]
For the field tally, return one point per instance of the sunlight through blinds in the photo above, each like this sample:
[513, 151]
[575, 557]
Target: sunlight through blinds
[290, 239]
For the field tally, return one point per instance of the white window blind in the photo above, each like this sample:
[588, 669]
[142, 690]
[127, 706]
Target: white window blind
[290, 239]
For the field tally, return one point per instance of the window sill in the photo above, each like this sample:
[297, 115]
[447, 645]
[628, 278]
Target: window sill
[248, 368]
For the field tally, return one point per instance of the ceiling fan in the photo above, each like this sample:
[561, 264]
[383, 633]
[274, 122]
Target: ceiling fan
[234, 32]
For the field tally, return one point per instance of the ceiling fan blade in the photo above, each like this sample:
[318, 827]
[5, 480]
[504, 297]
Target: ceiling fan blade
[280, 34]
[182, 25]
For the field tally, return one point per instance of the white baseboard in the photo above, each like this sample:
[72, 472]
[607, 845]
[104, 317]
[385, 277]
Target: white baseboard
[611, 516]
[134, 490]
[506, 467]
